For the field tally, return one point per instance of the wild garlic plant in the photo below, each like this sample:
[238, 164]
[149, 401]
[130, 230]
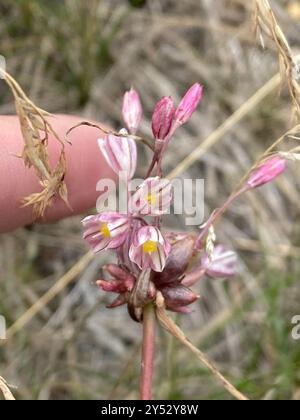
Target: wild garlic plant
[156, 269]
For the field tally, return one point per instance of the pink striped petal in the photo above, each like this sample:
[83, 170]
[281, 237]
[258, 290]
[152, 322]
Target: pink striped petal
[120, 153]
[149, 249]
[132, 110]
[107, 230]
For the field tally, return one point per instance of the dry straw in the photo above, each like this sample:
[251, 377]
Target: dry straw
[266, 23]
[7, 394]
[36, 131]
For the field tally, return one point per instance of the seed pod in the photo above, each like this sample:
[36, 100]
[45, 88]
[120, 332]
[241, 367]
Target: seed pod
[177, 296]
[177, 262]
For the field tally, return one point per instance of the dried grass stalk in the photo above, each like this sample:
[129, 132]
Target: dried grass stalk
[173, 329]
[5, 390]
[103, 129]
[266, 23]
[36, 131]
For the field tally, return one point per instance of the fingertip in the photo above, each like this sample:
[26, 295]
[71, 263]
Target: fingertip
[85, 167]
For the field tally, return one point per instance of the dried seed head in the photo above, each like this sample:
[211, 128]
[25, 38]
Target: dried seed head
[36, 131]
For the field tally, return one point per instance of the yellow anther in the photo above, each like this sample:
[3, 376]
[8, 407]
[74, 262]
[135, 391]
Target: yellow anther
[151, 198]
[104, 229]
[150, 247]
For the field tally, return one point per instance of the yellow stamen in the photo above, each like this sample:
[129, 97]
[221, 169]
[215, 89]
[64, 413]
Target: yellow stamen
[151, 198]
[150, 247]
[104, 229]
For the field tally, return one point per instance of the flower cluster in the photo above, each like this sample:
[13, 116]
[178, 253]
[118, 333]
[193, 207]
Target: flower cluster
[148, 247]
[148, 259]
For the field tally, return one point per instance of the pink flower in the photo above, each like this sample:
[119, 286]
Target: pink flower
[162, 118]
[222, 265]
[153, 197]
[123, 251]
[120, 153]
[266, 172]
[106, 230]
[149, 249]
[188, 104]
[132, 110]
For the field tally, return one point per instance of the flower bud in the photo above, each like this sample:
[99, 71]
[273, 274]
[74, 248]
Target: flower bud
[162, 118]
[132, 110]
[120, 153]
[267, 172]
[188, 104]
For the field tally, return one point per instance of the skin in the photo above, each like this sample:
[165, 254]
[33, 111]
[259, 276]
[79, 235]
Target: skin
[85, 167]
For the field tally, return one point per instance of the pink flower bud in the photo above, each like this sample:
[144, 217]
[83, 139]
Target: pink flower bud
[267, 172]
[106, 230]
[162, 118]
[188, 104]
[132, 110]
[149, 249]
[120, 153]
[152, 198]
[222, 264]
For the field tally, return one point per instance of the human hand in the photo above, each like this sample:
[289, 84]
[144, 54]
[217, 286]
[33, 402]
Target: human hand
[85, 166]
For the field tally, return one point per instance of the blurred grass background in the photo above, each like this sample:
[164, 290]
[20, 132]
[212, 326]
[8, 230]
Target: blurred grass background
[78, 57]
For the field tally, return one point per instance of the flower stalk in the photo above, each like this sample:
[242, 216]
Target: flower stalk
[148, 347]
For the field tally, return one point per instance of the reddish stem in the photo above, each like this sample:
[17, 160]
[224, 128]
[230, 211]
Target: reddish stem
[217, 214]
[147, 364]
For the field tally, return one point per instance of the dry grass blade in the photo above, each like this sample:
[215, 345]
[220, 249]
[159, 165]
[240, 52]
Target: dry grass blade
[36, 131]
[5, 390]
[266, 22]
[50, 294]
[107, 131]
[173, 329]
